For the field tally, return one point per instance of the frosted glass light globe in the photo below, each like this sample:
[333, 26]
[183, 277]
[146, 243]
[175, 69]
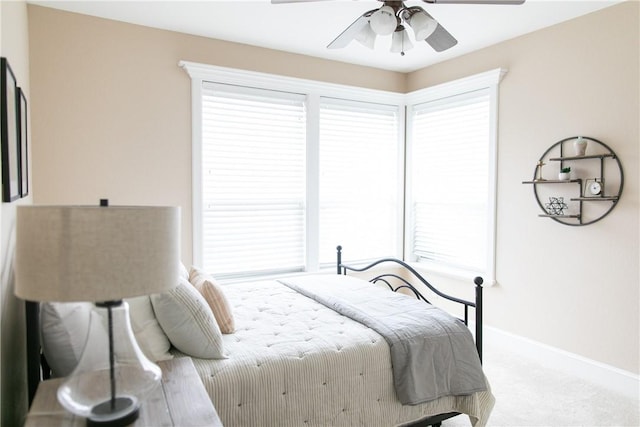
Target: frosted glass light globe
[383, 21]
[367, 37]
[400, 41]
[422, 24]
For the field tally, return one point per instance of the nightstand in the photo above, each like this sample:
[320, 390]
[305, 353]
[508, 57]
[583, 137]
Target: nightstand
[180, 401]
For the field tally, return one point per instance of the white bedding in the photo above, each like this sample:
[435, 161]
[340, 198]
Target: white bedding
[294, 362]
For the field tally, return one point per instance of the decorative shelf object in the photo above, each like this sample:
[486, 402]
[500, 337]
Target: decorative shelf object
[597, 173]
[556, 206]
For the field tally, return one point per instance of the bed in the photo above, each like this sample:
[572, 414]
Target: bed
[296, 357]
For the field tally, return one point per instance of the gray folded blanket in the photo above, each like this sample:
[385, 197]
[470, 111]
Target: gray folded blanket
[433, 353]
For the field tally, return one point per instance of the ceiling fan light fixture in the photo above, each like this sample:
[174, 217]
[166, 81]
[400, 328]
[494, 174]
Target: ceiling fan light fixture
[367, 37]
[421, 23]
[383, 22]
[400, 41]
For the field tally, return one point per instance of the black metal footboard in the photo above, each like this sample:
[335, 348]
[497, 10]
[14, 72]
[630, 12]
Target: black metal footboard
[396, 282]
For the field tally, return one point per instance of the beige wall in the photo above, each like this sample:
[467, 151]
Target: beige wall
[111, 118]
[574, 288]
[13, 378]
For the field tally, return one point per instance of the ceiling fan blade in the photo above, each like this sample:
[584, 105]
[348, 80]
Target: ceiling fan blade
[294, 1]
[351, 32]
[441, 39]
[506, 2]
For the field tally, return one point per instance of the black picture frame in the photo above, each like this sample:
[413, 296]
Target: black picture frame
[23, 130]
[9, 143]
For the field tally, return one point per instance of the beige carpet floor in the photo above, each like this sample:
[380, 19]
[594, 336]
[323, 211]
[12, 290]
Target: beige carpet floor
[528, 394]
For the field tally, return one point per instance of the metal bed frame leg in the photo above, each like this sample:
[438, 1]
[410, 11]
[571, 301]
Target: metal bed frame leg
[478, 281]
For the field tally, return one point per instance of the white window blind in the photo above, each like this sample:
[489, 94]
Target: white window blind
[359, 179]
[451, 181]
[253, 183]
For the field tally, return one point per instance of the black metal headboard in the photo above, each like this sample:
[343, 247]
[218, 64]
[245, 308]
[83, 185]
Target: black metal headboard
[391, 278]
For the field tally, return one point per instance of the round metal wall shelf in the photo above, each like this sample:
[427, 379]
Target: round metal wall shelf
[599, 164]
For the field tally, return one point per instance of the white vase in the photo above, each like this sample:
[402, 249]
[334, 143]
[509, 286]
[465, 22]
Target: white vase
[580, 146]
[564, 176]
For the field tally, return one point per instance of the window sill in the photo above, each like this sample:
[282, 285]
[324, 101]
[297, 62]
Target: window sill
[464, 276]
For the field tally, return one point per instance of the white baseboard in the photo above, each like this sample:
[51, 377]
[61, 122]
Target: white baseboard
[618, 380]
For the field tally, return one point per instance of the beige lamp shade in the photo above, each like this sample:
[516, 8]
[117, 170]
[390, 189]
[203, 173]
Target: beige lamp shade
[92, 253]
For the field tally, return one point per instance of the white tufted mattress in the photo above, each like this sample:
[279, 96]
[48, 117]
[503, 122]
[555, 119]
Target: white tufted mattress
[295, 362]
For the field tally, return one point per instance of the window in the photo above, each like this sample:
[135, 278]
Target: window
[253, 181]
[284, 170]
[451, 181]
[359, 179]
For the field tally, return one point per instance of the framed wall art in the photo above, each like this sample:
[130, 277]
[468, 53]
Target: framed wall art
[9, 143]
[23, 130]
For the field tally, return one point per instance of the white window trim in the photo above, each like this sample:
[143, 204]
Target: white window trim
[488, 80]
[313, 90]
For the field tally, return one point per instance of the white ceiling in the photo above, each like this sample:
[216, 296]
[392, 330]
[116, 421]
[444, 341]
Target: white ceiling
[306, 28]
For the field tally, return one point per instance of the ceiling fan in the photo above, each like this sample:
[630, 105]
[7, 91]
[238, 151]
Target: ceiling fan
[393, 17]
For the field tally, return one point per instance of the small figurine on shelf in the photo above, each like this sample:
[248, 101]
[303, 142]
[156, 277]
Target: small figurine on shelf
[539, 171]
[565, 174]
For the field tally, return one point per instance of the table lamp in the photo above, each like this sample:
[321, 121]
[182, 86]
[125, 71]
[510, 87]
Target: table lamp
[100, 254]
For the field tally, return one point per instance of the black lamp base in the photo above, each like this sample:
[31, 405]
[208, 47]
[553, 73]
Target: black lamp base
[123, 412]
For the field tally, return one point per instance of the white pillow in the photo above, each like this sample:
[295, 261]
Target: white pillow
[188, 321]
[149, 335]
[183, 273]
[64, 328]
